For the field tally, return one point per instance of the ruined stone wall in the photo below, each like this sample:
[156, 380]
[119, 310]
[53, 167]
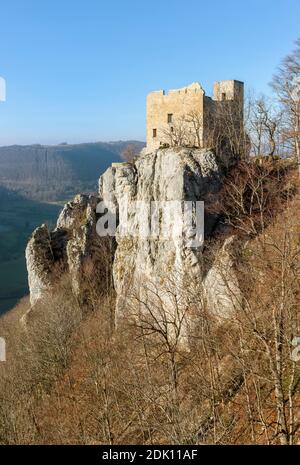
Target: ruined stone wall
[229, 90]
[178, 103]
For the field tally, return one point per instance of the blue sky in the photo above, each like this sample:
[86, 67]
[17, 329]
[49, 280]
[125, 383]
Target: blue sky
[79, 71]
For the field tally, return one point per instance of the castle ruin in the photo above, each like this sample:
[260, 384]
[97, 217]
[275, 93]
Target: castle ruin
[187, 116]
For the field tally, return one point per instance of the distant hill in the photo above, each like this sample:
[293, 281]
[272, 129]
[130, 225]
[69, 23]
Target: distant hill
[42, 172]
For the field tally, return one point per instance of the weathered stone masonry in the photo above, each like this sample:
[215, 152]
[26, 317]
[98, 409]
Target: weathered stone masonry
[164, 110]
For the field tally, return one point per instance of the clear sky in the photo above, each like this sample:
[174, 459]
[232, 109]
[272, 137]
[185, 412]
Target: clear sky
[79, 71]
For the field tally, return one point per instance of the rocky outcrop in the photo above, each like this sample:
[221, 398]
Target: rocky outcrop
[72, 247]
[143, 264]
[39, 259]
[167, 175]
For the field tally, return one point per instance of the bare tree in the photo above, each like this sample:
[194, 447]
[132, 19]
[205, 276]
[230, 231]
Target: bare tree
[286, 84]
[130, 152]
[195, 121]
[269, 277]
[265, 124]
[177, 134]
[224, 129]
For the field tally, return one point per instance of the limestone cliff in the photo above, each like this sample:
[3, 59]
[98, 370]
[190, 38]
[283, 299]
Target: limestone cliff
[70, 247]
[174, 174]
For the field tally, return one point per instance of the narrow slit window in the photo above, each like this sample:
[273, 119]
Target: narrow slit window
[154, 133]
[170, 117]
[223, 96]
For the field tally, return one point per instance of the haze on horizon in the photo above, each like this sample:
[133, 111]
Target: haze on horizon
[80, 72]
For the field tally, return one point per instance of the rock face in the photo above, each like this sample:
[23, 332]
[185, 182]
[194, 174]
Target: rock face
[142, 264]
[39, 260]
[72, 246]
[220, 285]
[163, 176]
